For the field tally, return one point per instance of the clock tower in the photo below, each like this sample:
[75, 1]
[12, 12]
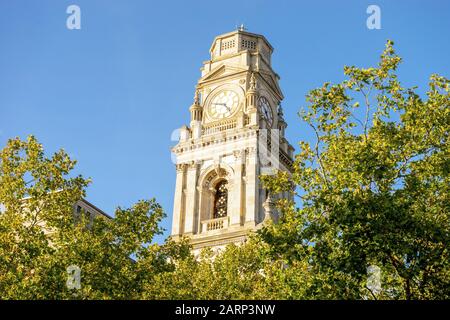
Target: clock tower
[236, 134]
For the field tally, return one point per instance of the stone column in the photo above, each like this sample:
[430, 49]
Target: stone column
[196, 128]
[190, 223]
[236, 191]
[201, 207]
[210, 203]
[205, 198]
[252, 187]
[240, 120]
[178, 203]
[251, 101]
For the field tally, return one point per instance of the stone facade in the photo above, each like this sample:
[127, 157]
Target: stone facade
[83, 206]
[236, 109]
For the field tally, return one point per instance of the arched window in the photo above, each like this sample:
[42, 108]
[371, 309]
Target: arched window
[220, 200]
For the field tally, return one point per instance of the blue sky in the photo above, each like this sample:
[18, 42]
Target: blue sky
[111, 93]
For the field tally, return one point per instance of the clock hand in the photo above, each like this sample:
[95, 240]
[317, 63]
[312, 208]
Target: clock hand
[223, 104]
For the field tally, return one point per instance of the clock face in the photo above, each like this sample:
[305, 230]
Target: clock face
[266, 110]
[223, 104]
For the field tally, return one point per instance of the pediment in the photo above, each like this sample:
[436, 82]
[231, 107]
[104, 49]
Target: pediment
[272, 82]
[220, 72]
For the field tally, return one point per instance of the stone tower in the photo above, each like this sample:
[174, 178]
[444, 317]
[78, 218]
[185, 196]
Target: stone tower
[236, 133]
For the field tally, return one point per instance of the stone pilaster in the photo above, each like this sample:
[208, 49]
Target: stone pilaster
[237, 194]
[252, 187]
[251, 100]
[179, 201]
[190, 223]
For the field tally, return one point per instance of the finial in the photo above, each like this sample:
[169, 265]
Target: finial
[280, 110]
[253, 81]
[242, 28]
[197, 97]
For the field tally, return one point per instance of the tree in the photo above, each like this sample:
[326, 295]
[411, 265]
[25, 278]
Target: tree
[244, 271]
[40, 238]
[373, 189]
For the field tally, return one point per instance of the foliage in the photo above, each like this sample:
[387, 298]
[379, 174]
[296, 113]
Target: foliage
[373, 190]
[40, 236]
[374, 187]
[236, 272]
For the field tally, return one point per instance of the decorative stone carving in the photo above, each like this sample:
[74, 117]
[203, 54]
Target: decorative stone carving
[251, 151]
[253, 83]
[237, 154]
[197, 97]
[192, 165]
[280, 111]
[269, 208]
